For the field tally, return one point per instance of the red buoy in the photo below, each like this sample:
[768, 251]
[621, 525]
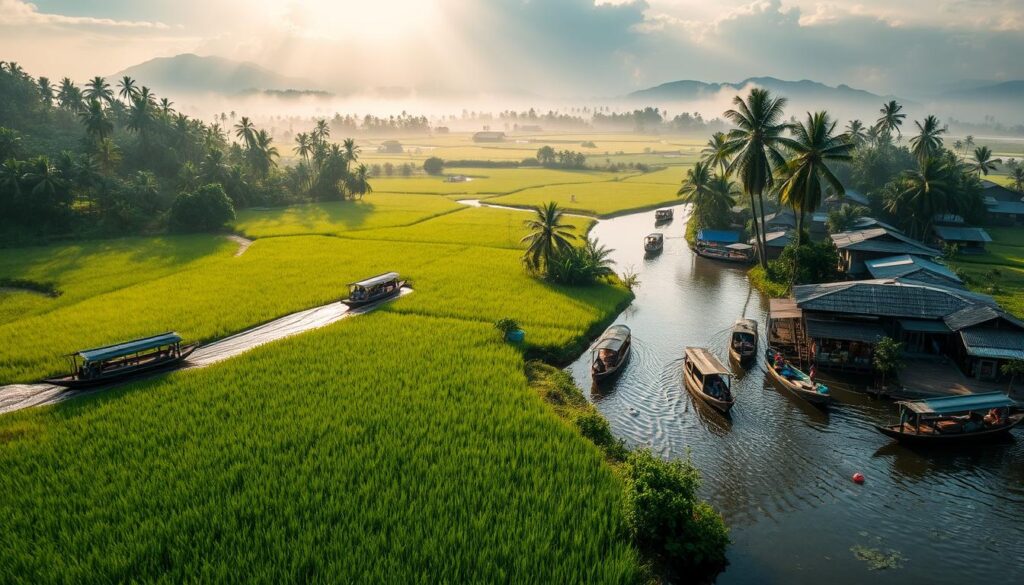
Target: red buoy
[858, 477]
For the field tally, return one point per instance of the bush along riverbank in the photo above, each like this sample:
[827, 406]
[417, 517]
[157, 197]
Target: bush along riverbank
[679, 535]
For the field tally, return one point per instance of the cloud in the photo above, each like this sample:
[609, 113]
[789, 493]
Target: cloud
[21, 13]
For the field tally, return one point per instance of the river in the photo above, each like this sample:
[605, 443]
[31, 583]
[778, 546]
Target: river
[779, 469]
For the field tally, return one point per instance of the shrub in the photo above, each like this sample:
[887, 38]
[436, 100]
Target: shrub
[433, 166]
[506, 325]
[206, 209]
[665, 516]
[595, 427]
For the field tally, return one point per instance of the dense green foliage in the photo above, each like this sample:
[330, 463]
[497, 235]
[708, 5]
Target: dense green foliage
[207, 208]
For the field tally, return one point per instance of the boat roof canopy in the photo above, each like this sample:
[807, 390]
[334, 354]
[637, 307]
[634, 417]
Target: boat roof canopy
[745, 326]
[375, 280]
[706, 362]
[129, 347]
[656, 235]
[614, 338]
[959, 404]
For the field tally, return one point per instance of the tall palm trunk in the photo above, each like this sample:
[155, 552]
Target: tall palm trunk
[757, 232]
[764, 234]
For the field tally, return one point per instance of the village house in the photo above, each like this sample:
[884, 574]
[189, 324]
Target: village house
[1004, 205]
[857, 247]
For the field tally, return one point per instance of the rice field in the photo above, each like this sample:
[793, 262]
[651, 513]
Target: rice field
[602, 199]
[489, 181]
[304, 461]
[1005, 254]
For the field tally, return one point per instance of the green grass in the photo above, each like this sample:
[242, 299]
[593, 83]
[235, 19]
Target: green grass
[337, 217]
[487, 181]
[602, 199]
[305, 461]
[1006, 254]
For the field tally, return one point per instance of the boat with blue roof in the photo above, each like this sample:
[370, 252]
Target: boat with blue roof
[954, 419]
[121, 361]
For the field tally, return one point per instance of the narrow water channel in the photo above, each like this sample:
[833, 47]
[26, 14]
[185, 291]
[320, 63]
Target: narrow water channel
[779, 469]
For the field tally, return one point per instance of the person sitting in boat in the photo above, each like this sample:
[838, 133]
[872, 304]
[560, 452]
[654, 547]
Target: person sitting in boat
[779, 361]
[994, 418]
[599, 365]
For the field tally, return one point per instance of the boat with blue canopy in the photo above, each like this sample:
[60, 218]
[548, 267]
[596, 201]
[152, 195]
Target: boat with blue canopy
[954, 418]
[112, 363]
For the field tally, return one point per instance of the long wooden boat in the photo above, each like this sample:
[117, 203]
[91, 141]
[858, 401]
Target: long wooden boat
[954, 419]
[610, 353]
[707, 379]
[123, 361]
[373, 289]
[654, 242]
[738, 253]
[788, 376]
[743, 341]
[663, 215]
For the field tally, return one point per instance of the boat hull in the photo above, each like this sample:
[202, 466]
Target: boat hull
[743, 359]
[721, 257]
[363, 302]
[893, 431]
[137, 372]
[694, 388]
[812, 396]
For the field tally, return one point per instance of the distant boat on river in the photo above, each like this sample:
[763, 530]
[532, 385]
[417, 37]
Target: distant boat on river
[743, 341]
[654, 242]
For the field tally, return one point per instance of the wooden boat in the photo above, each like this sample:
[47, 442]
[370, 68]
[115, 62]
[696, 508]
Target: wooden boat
[654, 242]
[610, 353]
[743, 341]
[374, 289]
[739, 253]
[785, 374]
[121, 361]
[953, 419]
[707, 379]
[662, 215]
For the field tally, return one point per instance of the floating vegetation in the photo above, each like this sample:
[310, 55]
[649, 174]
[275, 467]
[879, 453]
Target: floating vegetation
[878, 560]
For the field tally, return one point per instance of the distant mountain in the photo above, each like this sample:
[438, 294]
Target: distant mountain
[804, 91]
[194, 74]
[1007, 91]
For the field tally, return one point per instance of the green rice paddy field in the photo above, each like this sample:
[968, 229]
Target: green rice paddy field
[401, 446]
[1005, 254]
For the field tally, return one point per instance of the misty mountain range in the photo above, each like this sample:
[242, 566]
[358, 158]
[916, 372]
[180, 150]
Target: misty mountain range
[188, 73]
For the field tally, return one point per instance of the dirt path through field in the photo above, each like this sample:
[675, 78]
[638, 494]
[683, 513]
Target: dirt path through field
[243, 243]
[18, 396]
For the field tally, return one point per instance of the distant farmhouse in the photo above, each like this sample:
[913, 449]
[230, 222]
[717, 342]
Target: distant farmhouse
[1005, 206]
[391, 147]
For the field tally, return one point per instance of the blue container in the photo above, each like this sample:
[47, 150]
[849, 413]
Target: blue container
[516, 336]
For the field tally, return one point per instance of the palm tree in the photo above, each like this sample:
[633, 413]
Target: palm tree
[357, 183]
[128, 91]
[1017, 176]
[69, 96]
[351, 150]
[711, 196]
[754, 143]
[958, 146]
[322, 131]
[106, 155]
[11, 173]
[844, 219]
[968, 142]
[97, 125]
[928, 142]
[891, 118]
[140, 115]
[213, 169]
[45, 90]
[303, 148]
[548, 236]
[856, 133]
[98, 89]
[716, 153]
[147, 96]
[246, 131]
[165, 106]
[920, 195]
[43, 179]
[983, 161]
[814, 145]
[262, 153]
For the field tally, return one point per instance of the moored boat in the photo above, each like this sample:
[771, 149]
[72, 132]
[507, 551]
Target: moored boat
[743, 341]
[654, 242]
[707, 379]
[738, 253]
[121, 361]
[374, 289]
[663, 215]
[610, 353]
[785, 374]
[953, 419]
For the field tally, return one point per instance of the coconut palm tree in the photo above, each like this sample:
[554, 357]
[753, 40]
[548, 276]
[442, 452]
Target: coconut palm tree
[711, 196]
[146, 95]
[262, 153]
[983, 161]
[968, 142]
[351, 150]
[920, 195]
[11, 173]
[245, 130]
[95, 120]
[165, 106]
[891, 118]
[715, 152]
[814, 146]
[322, 131]
[140, 115]
[1017, 176]
[548, 236]
[754, 144]
[856, 133]
[127, 89]
[844, 219]
[45, 91]
[357, 182]
[107, 155]
[43, 179]
[958, 146]
[69, 96]
[98, 89]
[928, 142]
[303, 147]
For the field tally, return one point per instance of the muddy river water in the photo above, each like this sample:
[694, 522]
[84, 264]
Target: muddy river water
[779, 470]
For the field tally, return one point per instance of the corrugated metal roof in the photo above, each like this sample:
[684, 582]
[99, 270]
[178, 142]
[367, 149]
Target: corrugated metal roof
[905, 265]
[718, 236]
[706, 362]
[958, 404]
[923, 326]
[1007, 207]
[962, 234]
[777, 239]
[888, 298]
[880, 239]
[989, 337]
[844, 330]
[129, 347]
[976, 315]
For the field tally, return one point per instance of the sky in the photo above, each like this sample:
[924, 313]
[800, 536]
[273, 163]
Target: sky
[913, 48]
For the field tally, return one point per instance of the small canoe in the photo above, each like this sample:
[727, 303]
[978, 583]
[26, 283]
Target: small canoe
[954, 419]
[743, 341]
[789, 377]
[373, 289]
[663, 215]
[610, 353]
[654, 242]
[707, 379]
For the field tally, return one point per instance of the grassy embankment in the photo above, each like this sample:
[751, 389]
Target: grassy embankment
[383, 448]
[1005, 254]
